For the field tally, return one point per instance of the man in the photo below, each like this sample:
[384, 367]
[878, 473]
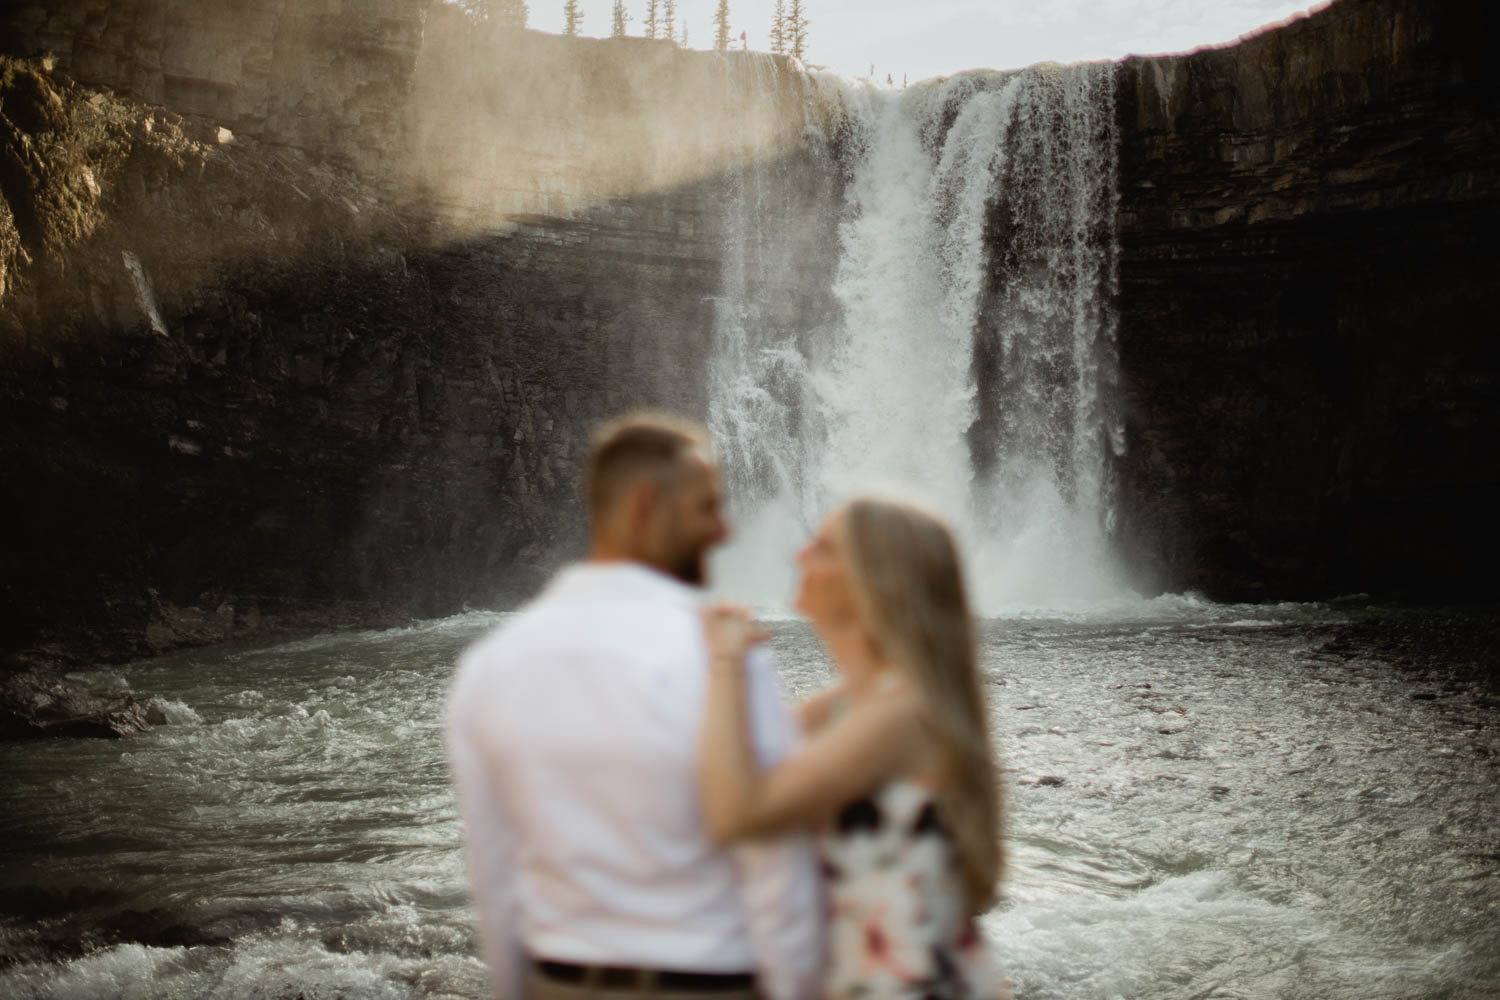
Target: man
[572, 732]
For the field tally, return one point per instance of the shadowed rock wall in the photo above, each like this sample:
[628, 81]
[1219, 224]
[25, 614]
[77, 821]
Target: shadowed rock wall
[272, 378]
[1310, 280]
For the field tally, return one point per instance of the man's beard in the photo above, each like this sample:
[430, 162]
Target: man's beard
[689, 568]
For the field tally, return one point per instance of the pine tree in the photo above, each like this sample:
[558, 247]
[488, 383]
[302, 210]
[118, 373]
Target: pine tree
[669, 20]
[721, 26]
[778, 28]
[653, 20]
[620, 19]
[572, 17]
[794, 34]
[684, 42]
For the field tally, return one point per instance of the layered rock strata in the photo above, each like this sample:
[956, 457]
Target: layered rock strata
[1309, 283]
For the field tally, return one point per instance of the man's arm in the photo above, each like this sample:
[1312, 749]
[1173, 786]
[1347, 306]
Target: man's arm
[779, 880]
[488, 842]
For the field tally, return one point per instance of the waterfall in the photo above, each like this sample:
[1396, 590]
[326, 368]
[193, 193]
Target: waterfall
[970, 359]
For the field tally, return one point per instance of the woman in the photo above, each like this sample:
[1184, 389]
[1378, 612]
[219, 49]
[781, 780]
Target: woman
[896, 772]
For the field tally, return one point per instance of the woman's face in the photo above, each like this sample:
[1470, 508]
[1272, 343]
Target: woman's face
[826, 591]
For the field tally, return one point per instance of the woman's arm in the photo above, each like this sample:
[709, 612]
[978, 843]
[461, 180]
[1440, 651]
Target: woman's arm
[848, 757]
[813, 713]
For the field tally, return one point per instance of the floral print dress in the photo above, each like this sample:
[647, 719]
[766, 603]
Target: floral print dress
[900, 926]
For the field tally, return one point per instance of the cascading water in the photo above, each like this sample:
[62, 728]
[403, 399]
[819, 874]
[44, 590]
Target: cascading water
[973, 361]
[761, 406]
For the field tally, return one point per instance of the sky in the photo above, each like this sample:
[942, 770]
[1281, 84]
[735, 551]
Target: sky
[939, 37]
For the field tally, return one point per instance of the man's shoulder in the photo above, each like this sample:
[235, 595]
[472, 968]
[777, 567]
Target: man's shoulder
[581, 619]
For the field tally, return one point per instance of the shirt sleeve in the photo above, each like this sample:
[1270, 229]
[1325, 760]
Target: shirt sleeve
[489, 843]
[779, 879]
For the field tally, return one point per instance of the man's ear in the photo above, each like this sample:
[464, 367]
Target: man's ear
[640, 499]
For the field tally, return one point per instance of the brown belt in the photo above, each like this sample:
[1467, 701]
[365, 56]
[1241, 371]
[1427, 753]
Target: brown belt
[619, 978]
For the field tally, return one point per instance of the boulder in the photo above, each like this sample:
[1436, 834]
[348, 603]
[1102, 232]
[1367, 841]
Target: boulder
[37, 704]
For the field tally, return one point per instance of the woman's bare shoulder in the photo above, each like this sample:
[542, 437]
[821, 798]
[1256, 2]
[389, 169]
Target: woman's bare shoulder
[894, 709]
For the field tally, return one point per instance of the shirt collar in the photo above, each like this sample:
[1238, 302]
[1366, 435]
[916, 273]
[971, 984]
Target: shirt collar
[623, 576]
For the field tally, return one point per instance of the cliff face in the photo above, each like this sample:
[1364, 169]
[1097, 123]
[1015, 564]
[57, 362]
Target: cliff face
[276, 371]
[305, 309]
[1309, 281]
[327, 77]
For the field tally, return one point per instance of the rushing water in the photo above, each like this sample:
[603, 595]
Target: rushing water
[973, 354]
[1203, 802]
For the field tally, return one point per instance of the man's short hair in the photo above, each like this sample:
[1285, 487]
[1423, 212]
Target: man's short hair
[636, 446]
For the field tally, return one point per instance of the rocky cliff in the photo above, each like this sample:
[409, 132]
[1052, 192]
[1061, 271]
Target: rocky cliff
[1309, 282]
[309, 357]
[305, 309]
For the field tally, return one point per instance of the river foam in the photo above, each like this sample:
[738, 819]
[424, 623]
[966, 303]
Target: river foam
[1201, 800]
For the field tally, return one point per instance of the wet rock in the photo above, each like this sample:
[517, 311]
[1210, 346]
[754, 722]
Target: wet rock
[1050, 780]
[36, 704]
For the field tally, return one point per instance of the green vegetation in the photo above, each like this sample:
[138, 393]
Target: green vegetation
[794, 31]
[721, 26]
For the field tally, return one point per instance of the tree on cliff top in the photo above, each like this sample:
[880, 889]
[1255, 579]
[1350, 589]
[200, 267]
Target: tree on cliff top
[669, 20]
[620, 18]
[794, 32]
[653, 19]
[721, 26]
[511, 13]
[778, 28]
[572, 17]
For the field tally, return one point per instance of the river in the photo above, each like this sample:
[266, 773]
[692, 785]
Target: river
[1203, 801]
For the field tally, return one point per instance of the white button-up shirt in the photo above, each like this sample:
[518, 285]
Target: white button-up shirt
[572, 732]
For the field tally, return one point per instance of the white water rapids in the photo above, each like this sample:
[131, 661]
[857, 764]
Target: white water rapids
[1203, 802]
[972, 360]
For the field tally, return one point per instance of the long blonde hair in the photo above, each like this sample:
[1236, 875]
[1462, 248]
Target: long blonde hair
[909, 586]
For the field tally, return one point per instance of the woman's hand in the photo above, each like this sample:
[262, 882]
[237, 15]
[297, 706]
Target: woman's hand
[730, 633]
[847, 756]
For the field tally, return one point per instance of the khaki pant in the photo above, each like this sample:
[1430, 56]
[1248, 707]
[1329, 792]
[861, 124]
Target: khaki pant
[539, 987]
